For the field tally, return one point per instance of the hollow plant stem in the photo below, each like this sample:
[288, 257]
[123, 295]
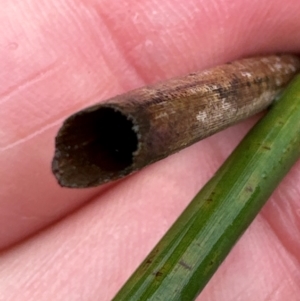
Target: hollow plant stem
[187, 256]
[115, 138]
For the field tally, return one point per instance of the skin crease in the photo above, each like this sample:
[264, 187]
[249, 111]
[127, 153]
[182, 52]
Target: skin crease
[59, 56]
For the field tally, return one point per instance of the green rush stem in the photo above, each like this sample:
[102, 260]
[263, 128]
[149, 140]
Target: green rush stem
[187, 256]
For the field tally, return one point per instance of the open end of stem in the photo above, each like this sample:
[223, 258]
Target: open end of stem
[94, 144]
[112, 139]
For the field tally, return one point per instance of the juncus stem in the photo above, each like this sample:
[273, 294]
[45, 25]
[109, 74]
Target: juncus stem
[115, 138]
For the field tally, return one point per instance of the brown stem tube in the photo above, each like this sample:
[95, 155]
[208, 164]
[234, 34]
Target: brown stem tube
[112, 139]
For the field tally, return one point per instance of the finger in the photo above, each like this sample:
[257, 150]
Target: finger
[58, 73]
[98, 247]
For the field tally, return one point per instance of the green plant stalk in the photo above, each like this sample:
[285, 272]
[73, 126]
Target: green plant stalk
[187, 256]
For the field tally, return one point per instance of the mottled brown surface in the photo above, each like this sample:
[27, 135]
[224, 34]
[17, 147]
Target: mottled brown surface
[168, 116]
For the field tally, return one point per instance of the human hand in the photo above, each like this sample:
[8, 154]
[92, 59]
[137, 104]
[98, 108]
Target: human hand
[60, 56]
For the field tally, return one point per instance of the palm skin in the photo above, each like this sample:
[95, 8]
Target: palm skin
[60, 56]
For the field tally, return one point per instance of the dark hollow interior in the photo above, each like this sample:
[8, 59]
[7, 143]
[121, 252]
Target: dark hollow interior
[104, 138]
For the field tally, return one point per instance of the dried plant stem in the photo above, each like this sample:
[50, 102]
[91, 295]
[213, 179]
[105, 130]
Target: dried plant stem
[184, 260]
[113, 139]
